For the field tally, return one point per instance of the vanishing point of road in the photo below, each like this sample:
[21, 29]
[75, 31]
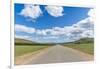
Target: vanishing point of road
[59, 54]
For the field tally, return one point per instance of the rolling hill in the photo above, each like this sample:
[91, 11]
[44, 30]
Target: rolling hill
[84, 40]
[19, 41]
[85, 45]
[22, 41]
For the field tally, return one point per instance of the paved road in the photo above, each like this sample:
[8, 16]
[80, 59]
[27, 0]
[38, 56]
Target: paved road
[59, 54]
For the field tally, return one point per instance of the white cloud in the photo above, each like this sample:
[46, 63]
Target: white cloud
[87, 25]
[50, 37]
[21, 36]
[91, 13]
[83, 28]
[32, 11]
[88, 33]
[41, 32]
[22, 28]
[26, 37]
[55, 11]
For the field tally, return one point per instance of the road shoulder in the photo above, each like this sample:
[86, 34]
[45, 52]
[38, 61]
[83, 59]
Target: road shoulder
[86, 55]
[24, 59]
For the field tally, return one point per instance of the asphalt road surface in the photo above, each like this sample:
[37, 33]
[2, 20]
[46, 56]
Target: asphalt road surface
[59, 54]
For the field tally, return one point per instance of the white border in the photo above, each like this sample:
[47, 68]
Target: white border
[12, 34]
[73, 65]
[77, 3]
[4, 34]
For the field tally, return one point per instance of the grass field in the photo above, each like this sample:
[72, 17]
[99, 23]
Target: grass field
[21, 50]
[86, 47]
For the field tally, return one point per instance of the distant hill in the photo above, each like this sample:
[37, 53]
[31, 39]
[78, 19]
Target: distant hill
[83, 40]
[28, 42]
[22, 41]
[19, 41]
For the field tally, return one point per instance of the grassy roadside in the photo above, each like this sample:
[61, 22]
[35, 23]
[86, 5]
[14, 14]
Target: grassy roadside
[86, 47]
[21, 50]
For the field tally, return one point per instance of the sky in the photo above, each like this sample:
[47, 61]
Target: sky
[53, 24]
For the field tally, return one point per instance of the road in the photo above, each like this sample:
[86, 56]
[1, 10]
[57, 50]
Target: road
[59, 54]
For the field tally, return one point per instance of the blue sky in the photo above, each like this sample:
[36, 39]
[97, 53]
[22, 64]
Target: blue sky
[40, 22]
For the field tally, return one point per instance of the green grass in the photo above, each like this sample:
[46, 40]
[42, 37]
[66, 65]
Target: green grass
[86, 47]
[21, 50]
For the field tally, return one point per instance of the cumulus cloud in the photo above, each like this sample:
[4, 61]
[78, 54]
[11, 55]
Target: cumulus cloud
[91, 13]
[34, 11]
[23, 28]
[55, 11]
[31, 11]
[87, 24]
[50, 37]
[88, 33]
[81, 29]
[22, 37]
[41, 32]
